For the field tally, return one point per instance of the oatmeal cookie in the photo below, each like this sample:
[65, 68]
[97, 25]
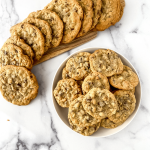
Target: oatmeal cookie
[100, 103]
[87, 16]
[65, 74]
[13, 55]
[66, 91]
[79, 116]
[95, 80]
[110, 14]
[106, 62]
[55, 23]
[107, 123]
[127, 80]
[86, 131]
[78, 66]
[126, 105]
[18, 85]
[71, 19]
[45, 28]
[32, 36]
[27, 50]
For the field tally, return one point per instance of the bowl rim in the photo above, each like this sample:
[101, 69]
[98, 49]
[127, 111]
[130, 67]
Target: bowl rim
[84, 50]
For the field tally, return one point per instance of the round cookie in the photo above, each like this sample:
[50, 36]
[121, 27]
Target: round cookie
[45, 28]
[96, 12]
[127, 80]
[126, 105]
[100, 103]
[70, 18]
[32, 36]
[106, 62]
[27, 50]
[79, 116]
[107, 123]
[86, 131]
[95, 80]
[55, 23]
[66, 91]
[65, 74]
[110, 14]
[122, 8]
[78, 66]
[13, 55]
[18, 85]
[87, 16]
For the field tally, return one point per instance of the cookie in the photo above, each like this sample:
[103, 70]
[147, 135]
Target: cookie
[66, 91]
[95, 80]
[100, 103]
[27, 50]
[122, 8]
[106, 62]
[110, 14]
[127, 80]
[55, 23]
[18, 85]
[78, 66]
[13, 55]
[87, 16]
[126, 105]
[32, 36]
[107, 123]
[79, 116]
[45, 28]
[96, 12]
[70, 18]
[86, 131]
[65, 74]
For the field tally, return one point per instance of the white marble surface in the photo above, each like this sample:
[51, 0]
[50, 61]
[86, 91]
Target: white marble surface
[37, 127]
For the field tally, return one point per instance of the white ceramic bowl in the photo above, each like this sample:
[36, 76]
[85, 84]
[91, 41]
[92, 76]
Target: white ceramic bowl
[63, 112]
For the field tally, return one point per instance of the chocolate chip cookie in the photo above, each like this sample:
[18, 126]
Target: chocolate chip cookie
[79, 116]
[18, 85]
[106, 62]
[44, 27]
[95, 80]
[32, 36]
[55, 23]
[127, 80]
[126, 105]
[78, 66]
[66, 91]
[100, 103]
[11, 54]
[65, 74]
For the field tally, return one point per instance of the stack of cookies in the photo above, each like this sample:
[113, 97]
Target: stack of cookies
[98, 90]
[61, 21]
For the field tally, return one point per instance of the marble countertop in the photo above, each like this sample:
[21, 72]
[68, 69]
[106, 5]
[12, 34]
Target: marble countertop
[36, 126]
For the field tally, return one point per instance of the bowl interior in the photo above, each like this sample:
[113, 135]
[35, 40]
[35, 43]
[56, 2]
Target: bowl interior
[63, 112]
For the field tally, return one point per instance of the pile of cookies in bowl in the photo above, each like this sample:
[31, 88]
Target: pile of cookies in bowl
[98, 90]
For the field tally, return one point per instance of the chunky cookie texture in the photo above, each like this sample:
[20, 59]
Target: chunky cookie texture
[107, 123]
[100, 103]
[70, 18]
[106, 62]
[79, 116]
[126, 105]
[44, 27]
[27, 50]
[65, 74]
[127, 80]
[13, 55]
[66, 91]
[110, 14]
[18, 85]
[32, 36]
[87, 16]
[55, 23]
[86, 131]
[78, 66]
[95, 80]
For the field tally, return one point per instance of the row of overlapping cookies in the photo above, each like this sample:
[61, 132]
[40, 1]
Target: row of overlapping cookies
[86, 90]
